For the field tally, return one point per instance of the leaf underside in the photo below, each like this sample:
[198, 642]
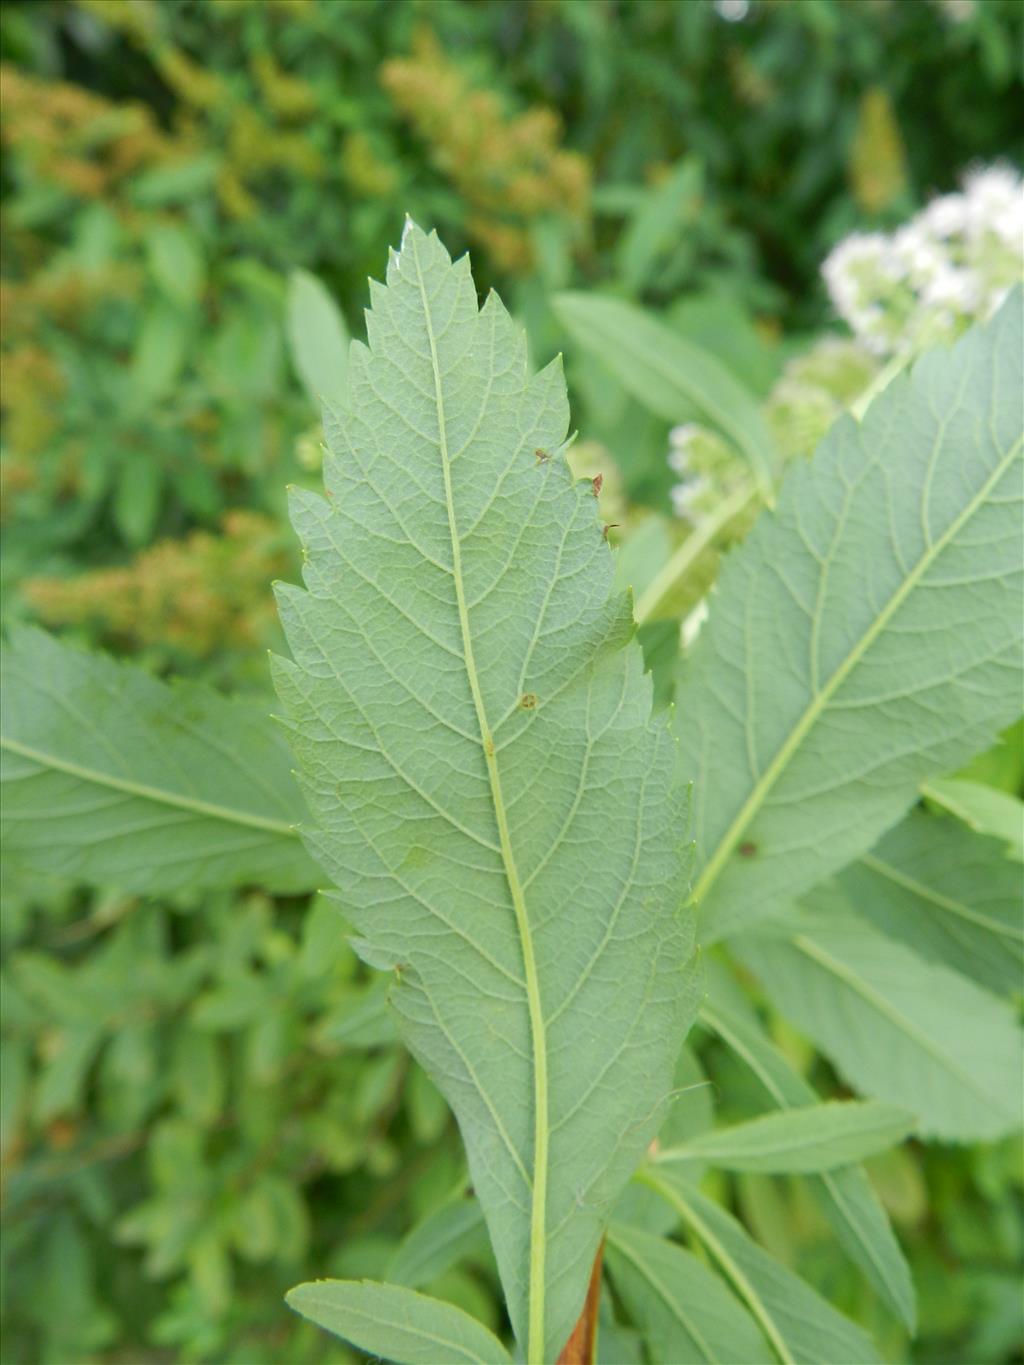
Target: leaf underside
[113, 777]
[866, 636]
[473, 730]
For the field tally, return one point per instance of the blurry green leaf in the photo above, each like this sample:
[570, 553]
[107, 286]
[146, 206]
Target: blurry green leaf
[525, 882]
[948, 893]
[14, 1079]
[817, 1138]
[670, 375]
[865, 635]
[982, 808]
[363, 1019]
[845, 1196]
[177, 182]
[428, 1113]
[160, 350]
[685, 1312]
[137, 498]
[176, 262]
[659, 223]
[397, 1324]
[62, 1082]
[450, 1234]
[241, 1000]
[897, 1027]
[802, 1327]
[317, 336]
[115, 778]
[197, 1075]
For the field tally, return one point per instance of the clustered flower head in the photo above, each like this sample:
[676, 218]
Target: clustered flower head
[706, 467]
[954, 262]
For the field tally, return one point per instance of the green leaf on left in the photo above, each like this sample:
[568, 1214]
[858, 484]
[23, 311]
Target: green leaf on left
[397, 1324]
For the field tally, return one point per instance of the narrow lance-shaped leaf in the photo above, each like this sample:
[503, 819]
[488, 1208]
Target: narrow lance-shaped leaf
[115, 778]
[397, 1324]
[866, 636]
[317, 337]
[799, 1141]
[802, 1327]
[982, 808]
[897, 1027]
[489, 792]
[668, 374]
[845, 1196]
[948, 893]
[685, 1310]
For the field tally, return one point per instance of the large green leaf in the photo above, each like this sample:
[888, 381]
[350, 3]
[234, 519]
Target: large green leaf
[845, 1196]
[115, 778]
[685, 1311]
[801, 1326]
[668, 374]
[866, 636]
[397, 1324]
[817, 1138]
[489, 792]
[948, 893]
[899, 1028]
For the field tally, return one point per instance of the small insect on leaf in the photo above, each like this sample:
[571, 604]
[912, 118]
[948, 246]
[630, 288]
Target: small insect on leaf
[542, 455]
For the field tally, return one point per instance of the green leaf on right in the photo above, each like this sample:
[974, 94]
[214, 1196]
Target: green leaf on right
[684, 1310]
[899, 1028]
[951, 895]
[397, 1324]
[799, 1141]
[866, 636]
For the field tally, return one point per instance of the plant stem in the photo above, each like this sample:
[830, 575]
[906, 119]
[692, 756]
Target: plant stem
[680, 563]
[581, 1348]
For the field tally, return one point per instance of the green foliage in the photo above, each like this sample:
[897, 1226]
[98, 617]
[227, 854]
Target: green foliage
[203, 1099]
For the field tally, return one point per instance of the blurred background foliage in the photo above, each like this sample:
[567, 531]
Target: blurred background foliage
[202, 1101]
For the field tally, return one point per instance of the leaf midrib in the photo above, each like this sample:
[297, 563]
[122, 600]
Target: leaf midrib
[160, 796]
[821, 699]
[906, 1026]
[538, 1212]
[734, 1272]
[928, 893]
[672, 1304]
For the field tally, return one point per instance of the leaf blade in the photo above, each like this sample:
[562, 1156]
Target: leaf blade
[861, 637]
[397, 1323]
[805, 1141]
[899, 1028]
[668, 374]
[845, 1196]
[533, 806]
[114, 777]
[685, 1311]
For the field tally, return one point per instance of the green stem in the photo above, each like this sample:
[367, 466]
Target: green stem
[680, 563]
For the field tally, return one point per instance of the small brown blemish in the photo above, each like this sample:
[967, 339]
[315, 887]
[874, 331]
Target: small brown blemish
[612, 526]
[542, 455]
[597, 481]
[489, 746]
[528, 701]
[747, 849]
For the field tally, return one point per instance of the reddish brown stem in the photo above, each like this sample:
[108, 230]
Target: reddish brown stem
[582, 1345]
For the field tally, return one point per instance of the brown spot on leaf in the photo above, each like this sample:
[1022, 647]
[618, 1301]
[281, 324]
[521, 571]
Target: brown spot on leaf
[528, 701]
[747, 849]
[597, 481]
[542, 455]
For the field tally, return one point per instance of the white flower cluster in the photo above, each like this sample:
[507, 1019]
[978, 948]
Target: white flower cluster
[952, 263]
